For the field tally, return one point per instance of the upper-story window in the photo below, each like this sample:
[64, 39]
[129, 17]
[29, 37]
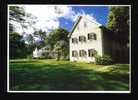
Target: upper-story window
[82, 53]
[85, 24]
[92, 36]
[82, 38]
[74, 53]
[74, 40]
[92, 52]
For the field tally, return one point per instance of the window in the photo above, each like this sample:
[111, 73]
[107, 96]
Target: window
[92, 52]
[82, 38]
[74, 53]
[74, 40]
[92, 36]
[85, 24]
[82, 53]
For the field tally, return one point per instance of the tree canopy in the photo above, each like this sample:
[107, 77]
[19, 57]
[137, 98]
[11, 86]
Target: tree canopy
[17, 46]
[20, 16]
[118, 22]
[58, 41]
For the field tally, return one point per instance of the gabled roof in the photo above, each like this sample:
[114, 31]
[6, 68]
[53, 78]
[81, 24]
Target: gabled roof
[74, 26]
[76, 23]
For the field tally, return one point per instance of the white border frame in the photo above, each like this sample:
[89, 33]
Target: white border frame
[129, 91]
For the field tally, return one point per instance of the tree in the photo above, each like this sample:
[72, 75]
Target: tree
[17, 46]
[30, 43]
[118, 21]
[58, 40]
[19, 16]
[41, 35]
[60, 48]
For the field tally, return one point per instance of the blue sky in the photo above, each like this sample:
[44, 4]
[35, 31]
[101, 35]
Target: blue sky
[50, 17]
[99, 13]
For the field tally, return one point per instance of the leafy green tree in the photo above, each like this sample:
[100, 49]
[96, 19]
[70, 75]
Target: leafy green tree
[118, 21]
[60, 47]
[58, 40]
[20, 16]
[41, 35]
[17, 14]
[30, 43]
[17, 46]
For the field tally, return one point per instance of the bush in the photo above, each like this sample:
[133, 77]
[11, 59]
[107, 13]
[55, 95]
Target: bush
[103, 60]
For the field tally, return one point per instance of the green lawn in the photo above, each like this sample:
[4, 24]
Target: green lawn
[64, 75]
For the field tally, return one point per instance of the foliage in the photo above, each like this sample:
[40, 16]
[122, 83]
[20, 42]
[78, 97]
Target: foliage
[118, 22]
[19, 16]
[58, 41]
[41, 35]
[103, 60]
[17, 46]
[16, 13]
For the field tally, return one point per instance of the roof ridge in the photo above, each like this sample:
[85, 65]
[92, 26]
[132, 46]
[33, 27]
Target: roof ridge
[91, 20]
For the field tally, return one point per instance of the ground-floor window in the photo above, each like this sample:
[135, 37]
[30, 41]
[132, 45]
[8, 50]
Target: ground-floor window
[74, 53]
[82, 53]
[92, 52]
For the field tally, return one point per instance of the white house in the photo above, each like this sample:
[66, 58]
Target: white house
[44, 53]
[89, 38]
[85, 40]
[37, 53]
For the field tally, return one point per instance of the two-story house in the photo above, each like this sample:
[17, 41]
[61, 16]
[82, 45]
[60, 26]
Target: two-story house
[89, 38]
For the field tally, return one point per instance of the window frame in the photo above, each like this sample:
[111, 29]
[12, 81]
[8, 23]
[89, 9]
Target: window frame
[74, 53]
[82, 38]
[74, 40]
[82, 53]
[92, 36]
[92, 52]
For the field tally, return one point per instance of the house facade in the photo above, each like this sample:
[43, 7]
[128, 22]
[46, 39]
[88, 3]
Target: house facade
[89, 38]
[85, 40]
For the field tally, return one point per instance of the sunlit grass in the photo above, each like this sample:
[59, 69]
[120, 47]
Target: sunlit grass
[35, 74]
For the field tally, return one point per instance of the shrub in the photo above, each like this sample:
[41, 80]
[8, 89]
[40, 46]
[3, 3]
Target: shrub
[103, 60]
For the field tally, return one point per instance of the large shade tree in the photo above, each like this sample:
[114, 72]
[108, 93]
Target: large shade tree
[58, 41]
[19, 17]
[41, 35]
[17, 46]
[118, 21]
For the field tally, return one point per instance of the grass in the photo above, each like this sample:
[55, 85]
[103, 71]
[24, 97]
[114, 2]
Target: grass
[64, 75]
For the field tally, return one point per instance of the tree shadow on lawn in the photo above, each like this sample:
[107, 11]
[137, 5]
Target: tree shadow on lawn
[64, 77]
